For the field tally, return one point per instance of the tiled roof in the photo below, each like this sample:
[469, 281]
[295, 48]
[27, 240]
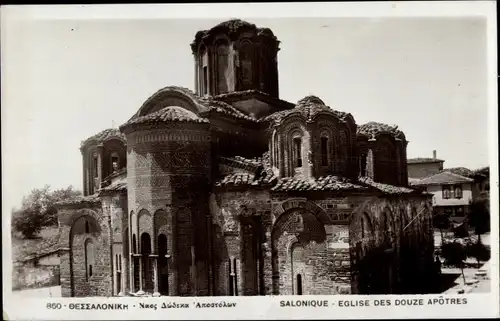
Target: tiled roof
[308, 107]
[386, 188]
[326, 183]
[253, 93]
[423, 160]
[462, 171]
[116, 186]
[31, 249]
[217, 106]
[442, 178]
[259, 172]
[104, 135]
[90, 199]
[372, 129]
[167, 114]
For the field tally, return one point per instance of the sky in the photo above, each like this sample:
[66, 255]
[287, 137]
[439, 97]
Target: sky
[65, 80]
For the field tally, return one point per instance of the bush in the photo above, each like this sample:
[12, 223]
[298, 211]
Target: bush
[479, 251]
[454, 254]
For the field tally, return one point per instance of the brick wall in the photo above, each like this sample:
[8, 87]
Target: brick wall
[168, 171]
[78, 225]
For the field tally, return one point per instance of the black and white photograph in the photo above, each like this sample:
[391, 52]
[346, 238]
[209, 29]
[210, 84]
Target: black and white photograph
[232, 156]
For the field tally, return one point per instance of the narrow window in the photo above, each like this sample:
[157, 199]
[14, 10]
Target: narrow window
[235, 278]
[87, 227]
[205, 80]
[95, 166]
[89, 257]
[362, 227]
[297, 147]
[115, 162]
[362, 165]
[324, 151]
[458, 191]
[299, 284]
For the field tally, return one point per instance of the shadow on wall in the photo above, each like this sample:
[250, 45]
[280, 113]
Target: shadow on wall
[221, 273]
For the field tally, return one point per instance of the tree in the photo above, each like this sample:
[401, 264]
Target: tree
[454, 254]
[38, 209]
[479, 216]
[441, 222]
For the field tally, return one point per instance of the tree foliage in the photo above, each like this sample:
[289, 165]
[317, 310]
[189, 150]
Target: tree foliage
[454, 254]
[38, 209]
[479, 216]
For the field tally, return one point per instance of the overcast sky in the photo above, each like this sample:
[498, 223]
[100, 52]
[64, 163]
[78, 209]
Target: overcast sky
[67, 80]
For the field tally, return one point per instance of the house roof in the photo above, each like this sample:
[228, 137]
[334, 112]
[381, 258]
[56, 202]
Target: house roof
[104, 135]
[442, 178]
[423, 160]
[31, 249]
[373, 129]
[462, 171]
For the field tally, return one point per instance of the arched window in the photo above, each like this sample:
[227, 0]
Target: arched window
[299, 284]
[343, 150]
[362, 165]
[94, 165]
[89, 258]
[134, 244]
[324, 151]
[115, 162]
[162, 264]
[275, 149]
[233, 278]
[246, 65]
[147, 267]
[204, 71]
[297, 151]
[222, 62]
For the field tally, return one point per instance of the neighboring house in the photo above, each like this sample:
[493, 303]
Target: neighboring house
[424, 167]
[452, 193]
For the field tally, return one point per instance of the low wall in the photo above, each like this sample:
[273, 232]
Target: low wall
[35, 277]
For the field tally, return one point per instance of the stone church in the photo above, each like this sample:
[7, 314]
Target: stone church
[229, 190]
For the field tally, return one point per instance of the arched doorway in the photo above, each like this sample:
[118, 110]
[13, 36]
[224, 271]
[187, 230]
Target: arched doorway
[297, 236]
[162, 265]
[147, 267]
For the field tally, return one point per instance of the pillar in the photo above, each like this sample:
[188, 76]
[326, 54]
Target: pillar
[100, 160]
[210, 263]
[156, 274]
[85, 178]
[140, 274]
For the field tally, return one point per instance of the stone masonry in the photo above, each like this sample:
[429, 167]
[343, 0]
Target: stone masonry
[230, 191]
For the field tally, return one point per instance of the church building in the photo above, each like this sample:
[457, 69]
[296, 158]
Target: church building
[229, 190]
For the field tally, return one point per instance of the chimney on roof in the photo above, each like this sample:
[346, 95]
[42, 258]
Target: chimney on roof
[434, 154]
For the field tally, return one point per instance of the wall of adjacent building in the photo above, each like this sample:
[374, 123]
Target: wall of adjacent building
[419, 170]
[438, 199]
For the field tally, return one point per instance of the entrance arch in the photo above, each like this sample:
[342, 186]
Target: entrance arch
[297, 235]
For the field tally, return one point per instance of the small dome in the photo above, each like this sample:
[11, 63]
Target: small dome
[310, 100]
[167, 114]
[372, 129]
[103, 136]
